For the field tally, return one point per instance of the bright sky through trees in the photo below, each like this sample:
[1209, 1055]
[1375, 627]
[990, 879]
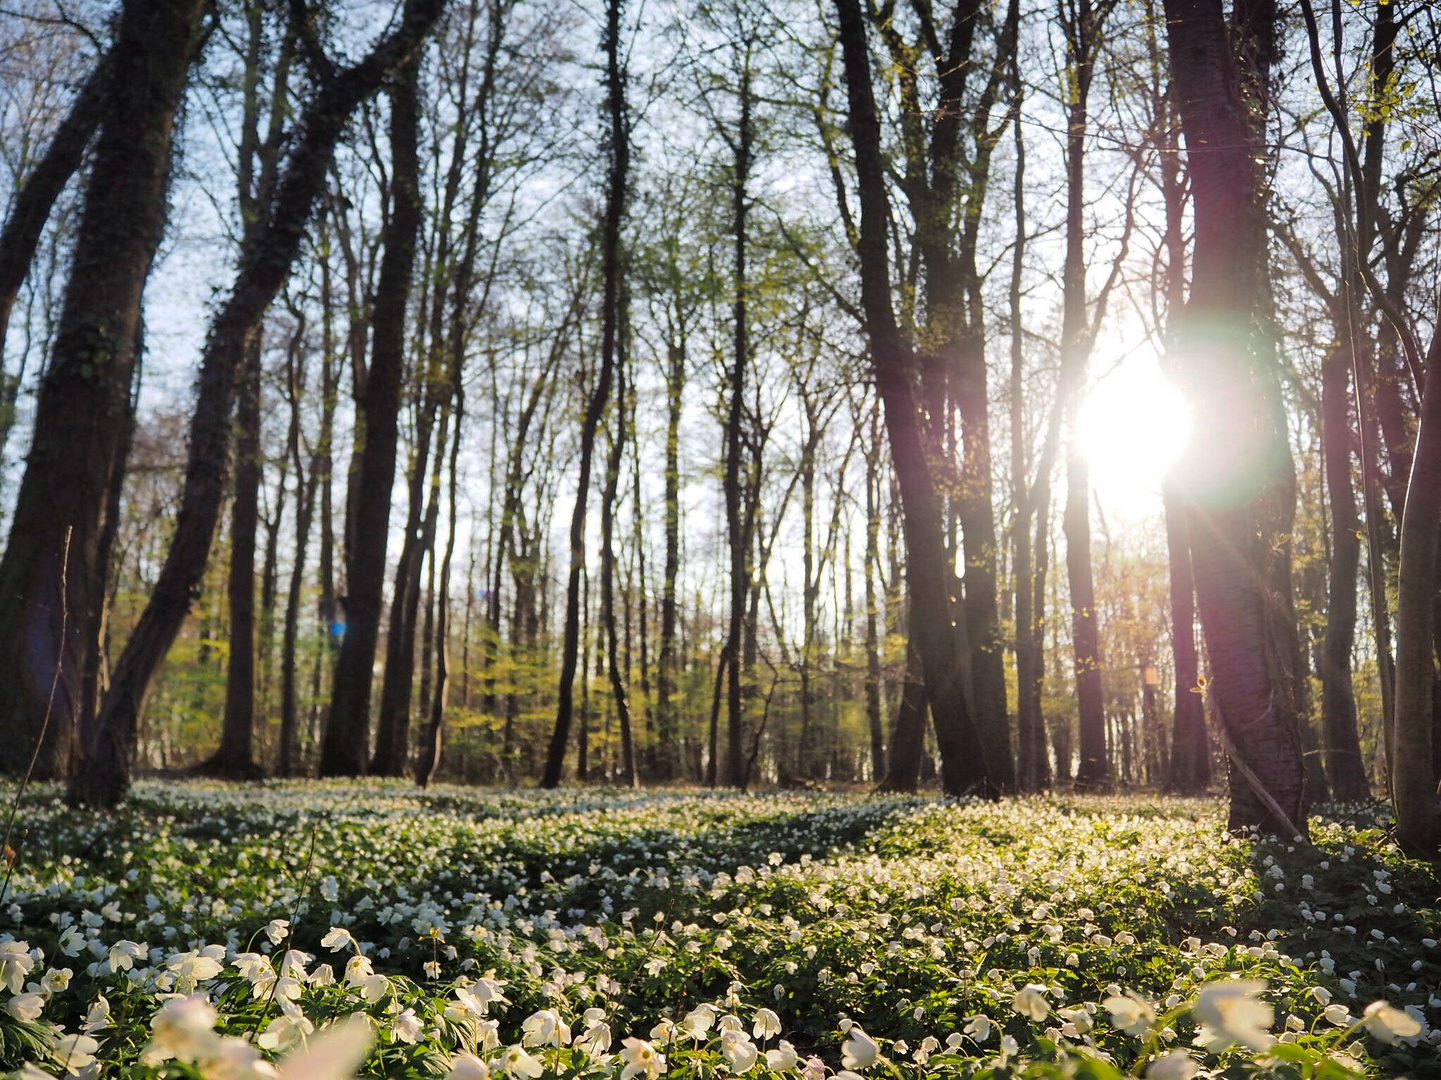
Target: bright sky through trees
[1133, 425]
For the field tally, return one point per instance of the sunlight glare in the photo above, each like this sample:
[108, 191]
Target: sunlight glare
[1132, 426]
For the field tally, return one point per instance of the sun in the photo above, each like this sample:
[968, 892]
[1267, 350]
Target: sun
[1132, 427]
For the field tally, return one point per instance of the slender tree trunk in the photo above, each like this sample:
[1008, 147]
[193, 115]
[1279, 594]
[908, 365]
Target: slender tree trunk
[618, 675]
[1345, 770]
[346, 741]
[740, 359]
[1082, 24]
[431, 744]
[53, 574]
[872, 560]
[236, 755]
[619, 148]
[1190, 742]
[667, 727]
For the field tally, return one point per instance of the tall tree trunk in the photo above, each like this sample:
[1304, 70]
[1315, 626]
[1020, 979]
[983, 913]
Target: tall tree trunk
[1082, 23]
[1238, 479]
[1413, 766]
[236, 755]
[930, 579]
[667, 727]
[872, 561]
[736, 533]
[618, 675]
[431, 744]
[346, 741]
[52, 577]
[618, 144]
[1345, 769]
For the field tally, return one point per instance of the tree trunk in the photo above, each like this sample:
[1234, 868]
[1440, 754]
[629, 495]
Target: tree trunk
[931, 582]
[873, 637]
[431, 744]
[1082, 28]
[618, 675]
[52, 577]
[236, 755]
[1413, 769]
[667, 728]
[1345, 769]
[619, 147]
[1238, 479]
[1190, 743]
[346, 741]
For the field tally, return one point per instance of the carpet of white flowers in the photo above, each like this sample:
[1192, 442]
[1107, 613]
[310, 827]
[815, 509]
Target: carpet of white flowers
[321, 931]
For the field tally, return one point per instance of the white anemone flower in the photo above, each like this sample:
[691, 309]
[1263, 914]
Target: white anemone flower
[467, 1067]
[335, 1054]
[1177, 1065]
[1390, 1024]
[783, 1057]
[285, 1031]
[407, 1027]
[738, 1050]
[641, 1059]
[26, 1007]
[1232, 1012]
[1030, 1002]
[15, 963]
[516, 1063]
[859, 1051]
[183, 1028]
[338, 939]
[767, 1025]
[979, 1028]
[277, 930]
[74, 1052]
[544, 1028]
[1130, 1013]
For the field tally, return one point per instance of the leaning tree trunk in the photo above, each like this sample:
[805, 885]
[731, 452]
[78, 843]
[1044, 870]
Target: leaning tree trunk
[265, 261]
[347, 727]
[619, 692]
[619, 146]
[1238, 479]
[52, 578]
[36, 195]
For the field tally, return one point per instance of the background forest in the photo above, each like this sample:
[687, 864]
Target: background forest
[704, 392]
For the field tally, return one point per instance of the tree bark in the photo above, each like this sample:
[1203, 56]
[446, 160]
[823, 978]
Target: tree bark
[236, 755]
[1238, 479]
[52, 577]
[630, 777]
[932, 584]
[1345, 769]
[347, 729]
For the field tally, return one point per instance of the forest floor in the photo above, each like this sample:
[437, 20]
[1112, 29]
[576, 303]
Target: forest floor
[715, 933]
